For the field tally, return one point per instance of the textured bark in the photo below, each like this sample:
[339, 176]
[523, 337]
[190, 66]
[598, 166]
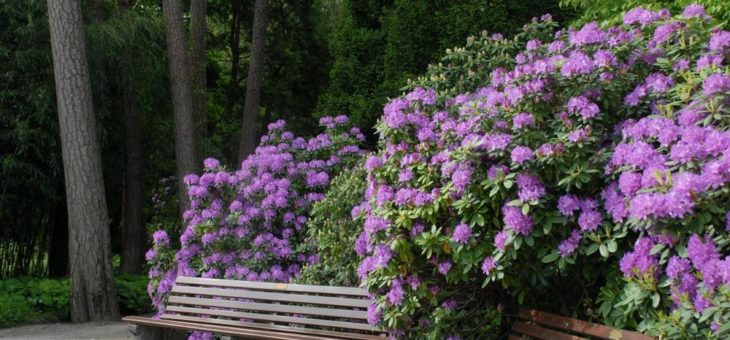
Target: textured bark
[254, 80]
[134, 234]
[93, 294]
[198, 11]
[182, 97]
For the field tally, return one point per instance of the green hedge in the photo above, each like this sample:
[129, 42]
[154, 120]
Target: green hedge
[31, 300]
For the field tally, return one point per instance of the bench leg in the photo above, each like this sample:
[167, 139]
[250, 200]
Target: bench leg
[141, 332]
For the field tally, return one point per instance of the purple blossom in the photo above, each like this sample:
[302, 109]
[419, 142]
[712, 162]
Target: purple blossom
[639, 263]
[716, 83]
[641, 16]
[500, 240]
[719, 41]
[396, 294]
[211, 163]
[516, 220]
[568, 204]
[522, 120]
[590, 33]
[658, 82]
[570, 244]
[589, 220]
[461, 234]
[497, 170]
[521, 154]
[488, 265]
[444, 267]
[694, 11]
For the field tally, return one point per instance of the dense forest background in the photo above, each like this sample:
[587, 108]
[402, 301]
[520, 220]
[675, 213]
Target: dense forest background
[322, 57]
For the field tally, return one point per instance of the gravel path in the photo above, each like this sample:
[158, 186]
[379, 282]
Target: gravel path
[98, 330]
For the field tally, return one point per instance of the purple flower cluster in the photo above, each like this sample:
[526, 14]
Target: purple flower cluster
[248, 224]
[636, 101]
[639, 263]
[703, 261]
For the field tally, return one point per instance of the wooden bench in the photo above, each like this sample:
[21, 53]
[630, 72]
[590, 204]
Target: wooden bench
[260, 310]
[535, 324]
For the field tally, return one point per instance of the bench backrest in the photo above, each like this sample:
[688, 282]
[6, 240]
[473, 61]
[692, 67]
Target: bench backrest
[542, 325]
[269, 305]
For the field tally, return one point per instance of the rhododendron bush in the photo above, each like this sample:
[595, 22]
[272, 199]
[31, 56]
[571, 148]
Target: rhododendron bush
[597, 159]
[250, 224]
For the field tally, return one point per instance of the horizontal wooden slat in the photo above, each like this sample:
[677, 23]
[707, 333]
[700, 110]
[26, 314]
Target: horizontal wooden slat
[281, 328]
[580, 326]
[282, 297]
[268, 307]
[271, 286]
[269, 317]
[538, 332]
[246, 333]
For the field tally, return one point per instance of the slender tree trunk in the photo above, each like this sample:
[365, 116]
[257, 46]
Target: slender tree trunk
[93, 293]
[182, 97]
[254, 80]
[134, 234]
[198, 12]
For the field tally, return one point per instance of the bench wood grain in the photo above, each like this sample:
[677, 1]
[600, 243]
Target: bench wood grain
[262, 310]
[536, 324]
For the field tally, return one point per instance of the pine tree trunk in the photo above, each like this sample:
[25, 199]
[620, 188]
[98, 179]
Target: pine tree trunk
[182, 97]
[198, 26]
[254, 80]
[93, 293]
[134, 233]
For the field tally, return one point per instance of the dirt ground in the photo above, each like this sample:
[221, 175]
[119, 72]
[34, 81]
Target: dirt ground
[102, 330]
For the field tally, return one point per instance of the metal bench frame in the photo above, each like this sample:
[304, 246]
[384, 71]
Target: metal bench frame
[259, 310]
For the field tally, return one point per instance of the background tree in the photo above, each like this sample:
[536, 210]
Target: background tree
[93, 294]
[198, 61]
[254, 79]
[182, 97]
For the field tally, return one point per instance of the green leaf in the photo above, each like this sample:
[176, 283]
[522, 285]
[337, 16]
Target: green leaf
[550, 257]
[612, 246]
[655, 299]
[508, 184]
[603, 250]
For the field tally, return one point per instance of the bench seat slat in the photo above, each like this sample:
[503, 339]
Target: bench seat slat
[270, 286]
[538, 332]
[319, 333]
[580, 326]
[281, 297]
[267, 317]
[246, 333]
[266, 307]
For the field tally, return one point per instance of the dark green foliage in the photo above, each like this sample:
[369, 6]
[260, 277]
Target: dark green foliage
[376, 46]
[611, 11]
[29, 141]
[332, 232]
[27, 299]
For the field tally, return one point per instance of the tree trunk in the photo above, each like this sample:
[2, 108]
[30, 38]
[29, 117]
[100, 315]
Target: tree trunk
[93, 293]
[134, 234]
[182, 97]
[198, 11]
[254, 80]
